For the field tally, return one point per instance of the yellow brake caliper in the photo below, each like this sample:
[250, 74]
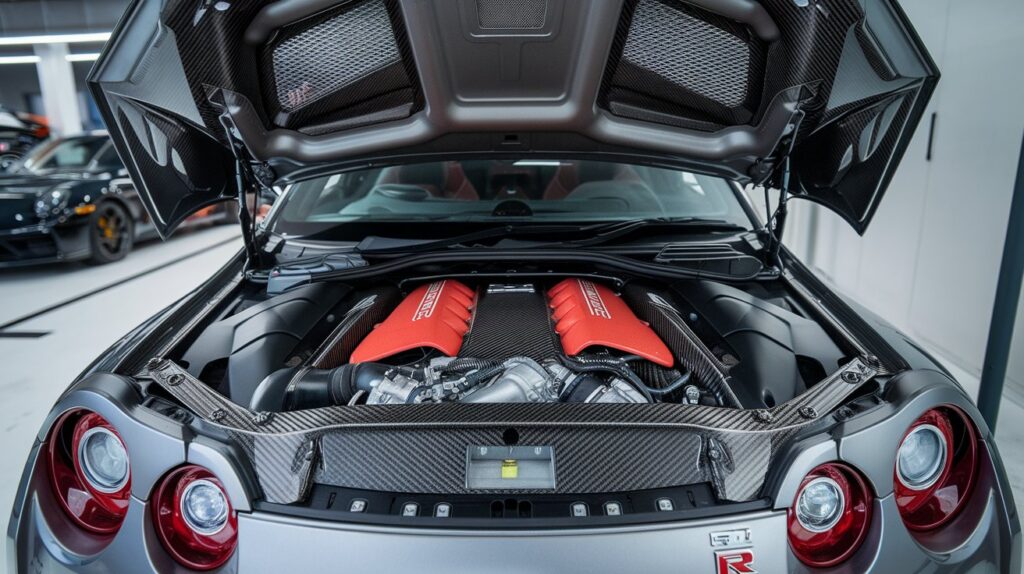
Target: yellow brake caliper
[108, 232]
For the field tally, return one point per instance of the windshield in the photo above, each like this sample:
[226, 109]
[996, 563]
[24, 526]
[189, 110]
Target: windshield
[70, 154]
[502, 191]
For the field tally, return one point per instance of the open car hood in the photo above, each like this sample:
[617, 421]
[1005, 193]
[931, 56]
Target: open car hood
[296, 87]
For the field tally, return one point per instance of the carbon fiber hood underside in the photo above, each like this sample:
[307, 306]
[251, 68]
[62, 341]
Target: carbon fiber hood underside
[737, 88]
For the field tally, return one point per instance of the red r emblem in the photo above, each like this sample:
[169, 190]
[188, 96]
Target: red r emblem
[735, 562]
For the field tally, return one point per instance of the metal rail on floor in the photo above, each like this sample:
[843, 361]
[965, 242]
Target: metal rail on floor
[82, 296]
[1004, 310]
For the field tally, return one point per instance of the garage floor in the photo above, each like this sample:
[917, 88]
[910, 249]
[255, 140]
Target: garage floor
[65, 315]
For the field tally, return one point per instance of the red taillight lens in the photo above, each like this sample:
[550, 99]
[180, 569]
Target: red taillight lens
[89, 471]
[830, 516]
[935, 469]
[194, 518]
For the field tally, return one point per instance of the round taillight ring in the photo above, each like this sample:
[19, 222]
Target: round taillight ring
[105, 480]
[211, 522]
[830, 516]
[194, 519]
[834, 513]
[951, 458]
[931, 446]
[93, 504]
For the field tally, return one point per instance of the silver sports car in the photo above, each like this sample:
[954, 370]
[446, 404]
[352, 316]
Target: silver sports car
[513, 311]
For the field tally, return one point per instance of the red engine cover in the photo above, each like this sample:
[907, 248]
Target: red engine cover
[587, 314]
[435, 316]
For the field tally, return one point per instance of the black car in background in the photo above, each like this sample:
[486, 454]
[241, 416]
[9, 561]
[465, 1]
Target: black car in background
[71, 199]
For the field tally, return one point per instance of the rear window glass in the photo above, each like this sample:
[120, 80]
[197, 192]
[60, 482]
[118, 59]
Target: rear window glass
[485, 190]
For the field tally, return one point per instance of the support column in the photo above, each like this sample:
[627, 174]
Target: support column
[60, 95]
[1004, 310]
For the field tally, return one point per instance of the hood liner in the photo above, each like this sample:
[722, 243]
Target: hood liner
[711, 86]
[375, 447]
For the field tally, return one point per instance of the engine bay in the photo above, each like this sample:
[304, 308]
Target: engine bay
[578, 339]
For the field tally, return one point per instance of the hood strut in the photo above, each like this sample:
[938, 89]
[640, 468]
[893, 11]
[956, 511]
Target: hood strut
[780, 179]
[250, 176]
[777, 222]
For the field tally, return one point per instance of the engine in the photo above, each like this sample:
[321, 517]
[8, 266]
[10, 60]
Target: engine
[577, 341]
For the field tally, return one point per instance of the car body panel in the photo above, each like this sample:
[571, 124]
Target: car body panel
[830, 96]
[986, 537]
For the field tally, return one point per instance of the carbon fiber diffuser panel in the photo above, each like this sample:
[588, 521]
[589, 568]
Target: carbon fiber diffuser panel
[598, 447]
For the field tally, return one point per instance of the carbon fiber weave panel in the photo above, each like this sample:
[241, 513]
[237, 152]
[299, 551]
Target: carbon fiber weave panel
[667, 322]
[507, 325]
[599, 447]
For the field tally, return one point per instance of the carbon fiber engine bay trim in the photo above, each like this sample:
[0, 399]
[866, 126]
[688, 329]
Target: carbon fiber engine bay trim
[598, 447]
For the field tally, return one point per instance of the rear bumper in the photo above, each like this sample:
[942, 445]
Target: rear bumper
[38, 541]
[44, 243]
[985, 537]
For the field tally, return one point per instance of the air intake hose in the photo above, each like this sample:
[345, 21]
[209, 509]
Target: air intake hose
[296, 389]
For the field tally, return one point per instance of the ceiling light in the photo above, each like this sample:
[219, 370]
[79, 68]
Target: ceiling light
[81, 57]
[54, 39]
[19, 59]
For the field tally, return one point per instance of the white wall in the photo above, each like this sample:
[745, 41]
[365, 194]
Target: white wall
[930, 259]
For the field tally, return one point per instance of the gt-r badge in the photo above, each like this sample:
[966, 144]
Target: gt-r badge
[731, 538]
[735, 562]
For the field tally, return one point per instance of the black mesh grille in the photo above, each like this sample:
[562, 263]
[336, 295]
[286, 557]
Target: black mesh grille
[512, 14]
[348, 47]
[680, 65]
[688, 52]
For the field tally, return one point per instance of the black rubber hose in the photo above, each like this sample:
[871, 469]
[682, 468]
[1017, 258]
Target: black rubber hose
[468, 364]
[614, 366]
[317, 388]
[678, 384]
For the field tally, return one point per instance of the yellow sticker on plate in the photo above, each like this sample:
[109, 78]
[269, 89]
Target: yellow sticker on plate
[510, 469]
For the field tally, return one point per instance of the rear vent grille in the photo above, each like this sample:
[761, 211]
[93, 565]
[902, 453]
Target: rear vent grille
[712, 259]
[685, 66]
[512, 14]
[342, 69]
[347, 48]
[688, 52]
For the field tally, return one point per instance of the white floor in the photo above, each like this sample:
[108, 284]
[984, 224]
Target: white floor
[35, 370]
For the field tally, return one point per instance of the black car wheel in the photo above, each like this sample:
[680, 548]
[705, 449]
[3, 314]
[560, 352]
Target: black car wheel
[111, 233]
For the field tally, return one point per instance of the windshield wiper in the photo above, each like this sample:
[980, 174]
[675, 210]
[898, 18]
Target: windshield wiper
[402, 246]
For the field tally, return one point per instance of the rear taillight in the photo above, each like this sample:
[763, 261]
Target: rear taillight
[935, 468]
[830, 516]
[194, 518]
[89, 471]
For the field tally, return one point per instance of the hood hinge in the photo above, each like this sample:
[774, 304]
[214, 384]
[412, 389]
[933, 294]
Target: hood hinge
[251, 176]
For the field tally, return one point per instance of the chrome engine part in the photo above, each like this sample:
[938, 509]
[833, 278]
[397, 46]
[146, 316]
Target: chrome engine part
[397, 389]
[516, 380]
[616, 391]
[523, 381]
